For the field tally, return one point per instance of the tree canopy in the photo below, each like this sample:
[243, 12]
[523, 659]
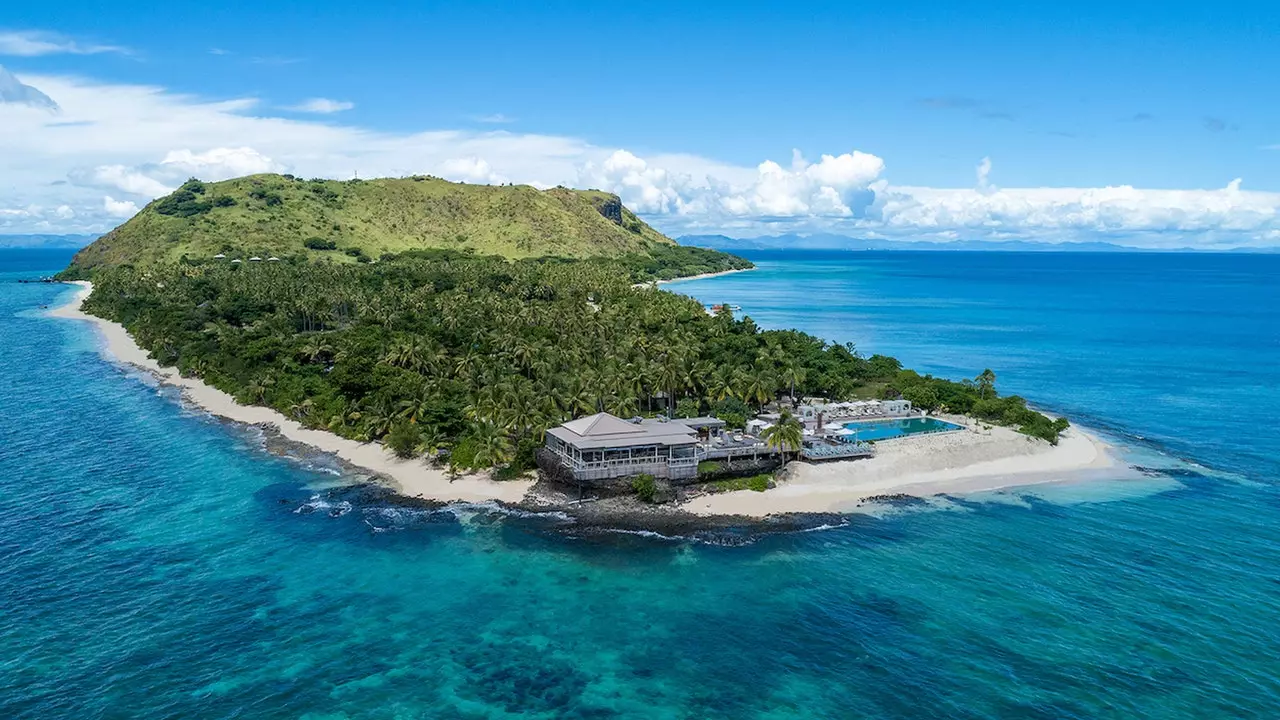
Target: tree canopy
[477, 356]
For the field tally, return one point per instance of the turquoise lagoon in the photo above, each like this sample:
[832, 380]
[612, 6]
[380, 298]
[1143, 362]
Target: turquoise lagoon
[156, 563]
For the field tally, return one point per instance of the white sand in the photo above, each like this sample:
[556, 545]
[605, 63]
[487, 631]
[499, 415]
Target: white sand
[703, 276]
[970, 461]
[409, 477]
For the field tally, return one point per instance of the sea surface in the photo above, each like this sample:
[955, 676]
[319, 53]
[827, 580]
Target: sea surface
[157, 563]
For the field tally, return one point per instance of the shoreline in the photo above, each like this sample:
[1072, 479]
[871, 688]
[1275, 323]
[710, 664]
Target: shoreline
[703, 276]
[411, 478]
[977, 459]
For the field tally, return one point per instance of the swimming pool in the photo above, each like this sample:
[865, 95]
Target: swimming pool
[887, 429]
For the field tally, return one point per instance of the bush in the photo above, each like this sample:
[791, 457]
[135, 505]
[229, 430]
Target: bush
[319, 243]
[921, 396]
[403, 440]
[707, 467]
[185, 201]
[645, 487]
[463, 456]
[687, 408]
[266, 196]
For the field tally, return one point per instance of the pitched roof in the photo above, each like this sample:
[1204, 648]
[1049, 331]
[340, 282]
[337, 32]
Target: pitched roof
[604, 430]
[601, 424]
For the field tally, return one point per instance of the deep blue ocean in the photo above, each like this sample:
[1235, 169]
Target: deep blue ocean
[157, 563]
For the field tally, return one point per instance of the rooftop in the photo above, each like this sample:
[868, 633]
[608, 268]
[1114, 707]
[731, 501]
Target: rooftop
[603, 430]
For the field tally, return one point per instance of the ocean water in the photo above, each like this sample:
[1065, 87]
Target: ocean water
[156, 563]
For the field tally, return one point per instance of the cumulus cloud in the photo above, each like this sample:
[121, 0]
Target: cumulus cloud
[321, 106]
[119, 208]
[1228, 212]
[34, 43]
[830, 187]
[115, 147]
[470, 170]
[495, 119]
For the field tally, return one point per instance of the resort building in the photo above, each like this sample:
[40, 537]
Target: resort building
[602, 446]
[854, 409]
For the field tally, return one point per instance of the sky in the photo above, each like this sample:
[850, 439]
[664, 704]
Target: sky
[1151, 125]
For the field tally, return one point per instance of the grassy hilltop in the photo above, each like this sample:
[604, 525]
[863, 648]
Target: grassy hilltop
[359, 220]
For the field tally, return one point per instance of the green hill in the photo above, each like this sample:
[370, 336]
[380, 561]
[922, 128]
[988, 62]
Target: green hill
[358, 220]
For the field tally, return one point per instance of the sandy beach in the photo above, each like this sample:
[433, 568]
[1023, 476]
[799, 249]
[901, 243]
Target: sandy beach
[703, 276]
[970, 461]
[409, 477]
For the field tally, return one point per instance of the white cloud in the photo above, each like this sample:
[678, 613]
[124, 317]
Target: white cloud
[119, 208]
[984, 174]
[133, 143]
[321, 106]
[64, 212]
[33, 43]
[469, 170]
[495, 118]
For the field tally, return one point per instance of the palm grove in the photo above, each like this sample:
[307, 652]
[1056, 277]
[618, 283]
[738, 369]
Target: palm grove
[470, 359]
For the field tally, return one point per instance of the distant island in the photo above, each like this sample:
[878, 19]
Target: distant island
[834, 242]
[463, 360]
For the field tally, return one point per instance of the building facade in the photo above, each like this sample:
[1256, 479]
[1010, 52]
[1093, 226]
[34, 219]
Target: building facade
[603, 447]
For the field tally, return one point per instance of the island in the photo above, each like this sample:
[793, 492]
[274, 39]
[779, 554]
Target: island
[474, 343]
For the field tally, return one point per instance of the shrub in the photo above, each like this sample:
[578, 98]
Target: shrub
[185, 201]
[268, 197]
[687, 408]
[645, 487]
[463, 456]
[403, 440]
[319, 243]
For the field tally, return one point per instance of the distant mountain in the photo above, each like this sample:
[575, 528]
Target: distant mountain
[843, 242]
[358, 220]
[14, 92]
[52, 242]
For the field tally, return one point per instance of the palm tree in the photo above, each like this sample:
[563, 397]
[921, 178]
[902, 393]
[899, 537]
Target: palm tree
[494, 447]
[986, 383]
[792, 372]
[785, 435]
[315, 350]
[260, 386]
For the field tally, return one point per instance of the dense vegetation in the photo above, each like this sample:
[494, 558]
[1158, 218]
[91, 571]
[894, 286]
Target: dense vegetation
[286, 216]
[473, 357]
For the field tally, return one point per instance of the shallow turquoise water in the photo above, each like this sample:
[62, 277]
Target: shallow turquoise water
[889, 429]
[155, 563]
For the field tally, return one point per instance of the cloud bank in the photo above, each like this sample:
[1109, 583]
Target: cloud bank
[115, 147]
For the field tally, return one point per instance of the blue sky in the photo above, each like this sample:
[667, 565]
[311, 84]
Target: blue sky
[1068, 95]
